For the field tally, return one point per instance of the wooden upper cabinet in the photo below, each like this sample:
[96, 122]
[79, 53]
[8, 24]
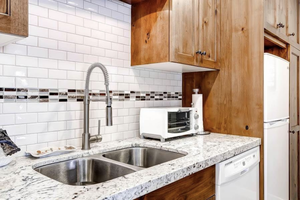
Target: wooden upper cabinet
[183, 31]
[293, 21]
[13, 20]
[177, 32]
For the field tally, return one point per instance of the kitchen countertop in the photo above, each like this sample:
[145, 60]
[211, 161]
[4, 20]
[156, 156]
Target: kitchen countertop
[20, 181]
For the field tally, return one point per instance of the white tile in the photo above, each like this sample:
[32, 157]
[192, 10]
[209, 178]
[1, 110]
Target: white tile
[57, 106]
[83, 49]
[111, 54]
[26, 139]
[35, 147]
[75, 124]
[63, 116]
[111, 5]
[33, 20]
[47, 137]
[90, 59]
[75, 142]
[26, 118]
[90, 24]
[90, 6]
[83, 31]
[90, 41]
[30, 41]
[56, 126]
[9, 70]
[26, 61]
[66, 8]
[7, 59]
[37, 107]
[75, 20]
[47, 83]
[75, 75]
[16, 129]
[75, 57]
[74, 106]
[77, 3]
[47, 63]
[9, 108]
[57, 74]
[47, 117]
[65, 27]
[83, 13]
[37, 10]
[105, 28]
[48, 4]
[97, 51]
[47, 23]
[58, 16]
[57, 35]
[26, 82]
[117, 31]
[7, 119]
[78, 39]
[37, 73]
[15, 49]
[47, 43]
[38, 31]
[98, 34]
[7, 81]
[104, 44]
[82, 66]
[66, 84]
[99, 2]
[124, 10]
[68, 134]
[98, 18]
[37, 128]
[1, 70]
[66, 65]
[117, 15]
[38, 52]
[66, 46]
[105, 11]
[57, 143]
[59, 55]
[111, 37]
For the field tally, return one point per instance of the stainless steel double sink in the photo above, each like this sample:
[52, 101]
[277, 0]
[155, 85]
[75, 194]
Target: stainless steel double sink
[106, 166]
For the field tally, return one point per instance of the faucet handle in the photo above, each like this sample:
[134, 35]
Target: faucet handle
[97, 138]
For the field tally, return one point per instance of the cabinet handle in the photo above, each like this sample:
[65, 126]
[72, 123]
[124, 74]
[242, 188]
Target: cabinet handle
[280, 25]
[8, 9]
[203, 53]
[292, 132]
[292, 34]
[199, 52]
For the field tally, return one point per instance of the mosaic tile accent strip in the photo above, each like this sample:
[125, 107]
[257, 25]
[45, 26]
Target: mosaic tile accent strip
[33, 95]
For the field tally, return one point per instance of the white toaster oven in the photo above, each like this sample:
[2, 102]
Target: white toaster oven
[165, 123]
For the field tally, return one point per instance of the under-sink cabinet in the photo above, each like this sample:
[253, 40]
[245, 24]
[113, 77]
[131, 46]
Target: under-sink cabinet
[198, 186]
[176, 32]
[13, 20]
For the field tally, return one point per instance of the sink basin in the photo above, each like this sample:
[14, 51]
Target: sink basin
[142, 156]
[83, 171]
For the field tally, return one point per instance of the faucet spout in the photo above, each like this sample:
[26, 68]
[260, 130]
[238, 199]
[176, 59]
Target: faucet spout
[109, 122]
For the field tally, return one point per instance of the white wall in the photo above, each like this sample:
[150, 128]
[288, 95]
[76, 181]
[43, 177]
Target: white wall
[66, 36]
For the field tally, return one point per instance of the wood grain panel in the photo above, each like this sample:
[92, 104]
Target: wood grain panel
[17, 23]
[3, 6]
[282, 15]
[198, 186]
[183, 31]
[233, 97]
[150, 32]
[294, 122]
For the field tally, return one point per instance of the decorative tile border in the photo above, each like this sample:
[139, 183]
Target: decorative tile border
[34, 95]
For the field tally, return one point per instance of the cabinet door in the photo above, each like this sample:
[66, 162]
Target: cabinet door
[275, 14]
[208, 32]
[293, 20]
[294, 122]
[182, 26]
[14, 17]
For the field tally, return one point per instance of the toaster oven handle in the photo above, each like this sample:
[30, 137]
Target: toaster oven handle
[183, 110]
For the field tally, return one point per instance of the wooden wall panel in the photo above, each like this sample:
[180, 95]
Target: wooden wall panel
[233, 97]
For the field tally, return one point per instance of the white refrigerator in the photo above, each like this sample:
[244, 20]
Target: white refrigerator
[276, 128]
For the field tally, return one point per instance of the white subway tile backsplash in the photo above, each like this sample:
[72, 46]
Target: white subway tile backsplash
[37, 128]
[26, 118]
[15, 49]
[65, 38]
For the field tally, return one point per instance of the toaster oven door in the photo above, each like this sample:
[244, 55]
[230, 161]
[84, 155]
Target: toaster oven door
[179, 121]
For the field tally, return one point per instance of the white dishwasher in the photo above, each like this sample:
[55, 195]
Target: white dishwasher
[238, 178]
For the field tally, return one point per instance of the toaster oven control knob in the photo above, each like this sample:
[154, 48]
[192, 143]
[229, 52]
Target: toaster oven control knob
[196, 116]
[196, 127]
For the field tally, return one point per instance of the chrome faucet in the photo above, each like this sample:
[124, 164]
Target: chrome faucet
[86, 137]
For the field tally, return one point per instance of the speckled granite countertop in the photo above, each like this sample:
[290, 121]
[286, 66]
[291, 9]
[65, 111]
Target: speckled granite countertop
[20, 181]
